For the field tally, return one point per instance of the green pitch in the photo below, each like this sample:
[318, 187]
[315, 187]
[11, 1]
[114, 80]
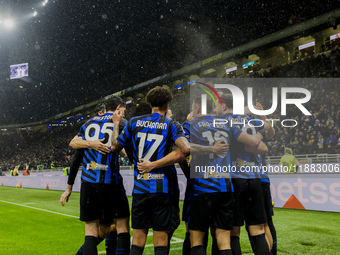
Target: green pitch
[34, 222]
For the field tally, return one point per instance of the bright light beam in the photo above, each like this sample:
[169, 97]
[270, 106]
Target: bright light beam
[8, 23]
[35, 13]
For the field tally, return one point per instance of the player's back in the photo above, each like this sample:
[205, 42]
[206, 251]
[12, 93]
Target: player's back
[97, 167]
[152, 137]
[210, 171]
[245, 162]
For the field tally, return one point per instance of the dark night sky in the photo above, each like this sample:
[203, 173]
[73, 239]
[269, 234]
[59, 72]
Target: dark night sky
[80, 51]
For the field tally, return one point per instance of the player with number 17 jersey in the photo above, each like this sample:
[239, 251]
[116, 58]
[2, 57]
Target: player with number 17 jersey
[97, 167]
[152, 137]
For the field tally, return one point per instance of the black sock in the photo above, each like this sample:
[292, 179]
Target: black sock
[81, 249]
[111, 243]
[226, 252]
[235, 245]
[169, 239]
[123, 244]
[99, 240]
[198, 250]
[205, 241]
[161, 250]
[186, 244]
[273, 232]
[90, 245]
[251, 241]
[261, 245]
[136, 250]
[214, 247]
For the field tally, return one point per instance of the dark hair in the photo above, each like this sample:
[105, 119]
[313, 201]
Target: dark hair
[142, 109]
[159, 96]
[227, 99]
[210, 104]
[113, 102]
[99, 108]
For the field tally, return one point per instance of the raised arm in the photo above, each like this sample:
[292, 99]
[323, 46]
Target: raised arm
[269, 129]
[115, 145]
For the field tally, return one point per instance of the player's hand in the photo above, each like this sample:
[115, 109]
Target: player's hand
[117, 115]
[220, 147]
[259, 106]
[247, 110]
[65, 196]
[100, 147]
[144, 166]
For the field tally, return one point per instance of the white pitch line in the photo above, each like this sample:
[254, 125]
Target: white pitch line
[44, 210]
[175, 239]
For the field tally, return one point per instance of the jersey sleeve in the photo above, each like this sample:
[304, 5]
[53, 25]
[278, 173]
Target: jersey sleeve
[81, 132]
[125, 135]
[176, 130]
[236, 131]
[186, 130]
[74, 167]
[122, 124]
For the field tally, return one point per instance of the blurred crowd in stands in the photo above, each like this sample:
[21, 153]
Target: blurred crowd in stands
[36, 150]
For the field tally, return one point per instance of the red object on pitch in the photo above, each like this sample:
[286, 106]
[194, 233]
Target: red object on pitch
[293, 203]
[20, 185]
[47, 187]
[2, 184]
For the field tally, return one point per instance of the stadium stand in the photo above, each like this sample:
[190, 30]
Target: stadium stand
[317, 134]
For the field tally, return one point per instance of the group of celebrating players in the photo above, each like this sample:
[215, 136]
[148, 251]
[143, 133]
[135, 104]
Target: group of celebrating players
[215, 199]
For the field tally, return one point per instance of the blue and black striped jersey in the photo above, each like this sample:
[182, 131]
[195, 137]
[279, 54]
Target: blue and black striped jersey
[152, 137]
[186, 130]
[97, 167]
[211, 172]
[263, 170]
[245, 162]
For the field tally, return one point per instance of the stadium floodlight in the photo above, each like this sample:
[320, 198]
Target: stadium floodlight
[35, 13]
[8, 23]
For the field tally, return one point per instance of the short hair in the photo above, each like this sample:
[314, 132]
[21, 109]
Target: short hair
[210, 104]
[99, 108]
[227, 99]
[113, 102]
[159, 96]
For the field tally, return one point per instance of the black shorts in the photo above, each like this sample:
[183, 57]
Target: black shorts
[186, 201]
[248, 202]
[175, 202]
[157, 211]
[267, 200]
[211, 210]
[103, 202]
